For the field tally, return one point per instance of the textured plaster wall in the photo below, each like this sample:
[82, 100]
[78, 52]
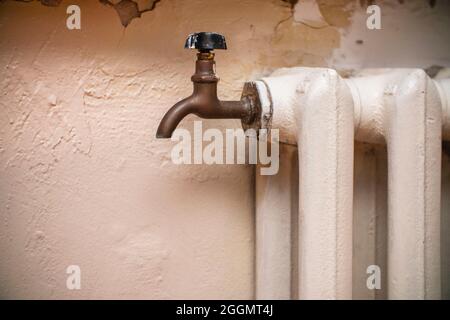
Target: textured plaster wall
[82, 178]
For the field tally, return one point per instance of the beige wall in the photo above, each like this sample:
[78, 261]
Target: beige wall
[84, 181]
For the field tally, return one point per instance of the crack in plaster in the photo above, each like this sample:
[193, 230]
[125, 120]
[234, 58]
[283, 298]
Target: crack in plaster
[48, 3]
[127, 10]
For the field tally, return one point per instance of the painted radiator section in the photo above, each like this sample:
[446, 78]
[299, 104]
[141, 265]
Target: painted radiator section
[370, 190]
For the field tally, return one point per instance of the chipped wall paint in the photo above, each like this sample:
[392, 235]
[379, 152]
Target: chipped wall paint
[308, 12]
[413, 34]
[82, 178]
[128, 9]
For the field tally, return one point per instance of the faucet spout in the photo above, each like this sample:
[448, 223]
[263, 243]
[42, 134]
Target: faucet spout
[173, 117]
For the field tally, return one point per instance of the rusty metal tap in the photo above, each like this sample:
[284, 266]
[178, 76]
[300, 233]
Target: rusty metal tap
[203, 102]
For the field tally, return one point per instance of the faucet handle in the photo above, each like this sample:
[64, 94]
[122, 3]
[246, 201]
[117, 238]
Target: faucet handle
[205, 41]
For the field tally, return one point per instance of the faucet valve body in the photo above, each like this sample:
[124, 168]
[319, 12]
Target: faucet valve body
[204, 68]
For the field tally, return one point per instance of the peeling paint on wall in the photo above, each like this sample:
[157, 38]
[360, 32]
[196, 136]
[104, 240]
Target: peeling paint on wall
[403, 23]
[129, 9]
[308, 12]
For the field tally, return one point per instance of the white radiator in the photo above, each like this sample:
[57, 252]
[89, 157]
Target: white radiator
[361, 190]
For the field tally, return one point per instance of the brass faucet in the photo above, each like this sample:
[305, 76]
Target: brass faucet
[203, 102]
